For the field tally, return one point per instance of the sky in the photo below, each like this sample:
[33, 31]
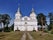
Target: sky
[40, 6]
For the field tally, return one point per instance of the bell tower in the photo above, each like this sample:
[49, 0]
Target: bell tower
[32, 14]
[18, 14]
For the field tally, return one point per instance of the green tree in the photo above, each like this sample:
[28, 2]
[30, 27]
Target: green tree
[41, 20]
[51, 20]
[6, 21]
[0, 21]
[12, 27]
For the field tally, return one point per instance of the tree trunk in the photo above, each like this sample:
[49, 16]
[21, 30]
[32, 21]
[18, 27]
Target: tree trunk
[42, 26]
[7, 26]
[42, 23]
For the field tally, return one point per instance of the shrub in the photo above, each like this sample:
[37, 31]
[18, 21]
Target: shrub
[34, 30]
[45, 31]
[51, 31]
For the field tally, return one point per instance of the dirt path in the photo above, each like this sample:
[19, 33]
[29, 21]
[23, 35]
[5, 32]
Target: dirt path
[23, 37]
[29, 36]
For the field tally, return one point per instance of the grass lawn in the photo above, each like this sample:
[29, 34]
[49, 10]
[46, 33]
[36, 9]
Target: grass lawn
[10, 35]
[41, 36]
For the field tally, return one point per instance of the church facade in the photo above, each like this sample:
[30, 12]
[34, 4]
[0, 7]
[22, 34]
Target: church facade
[25, 23]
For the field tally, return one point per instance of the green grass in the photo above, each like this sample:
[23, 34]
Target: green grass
[10, 35]
[41, 36]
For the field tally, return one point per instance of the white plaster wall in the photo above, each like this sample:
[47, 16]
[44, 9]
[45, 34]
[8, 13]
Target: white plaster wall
[15, 28]
[21, 28]
[29, 28]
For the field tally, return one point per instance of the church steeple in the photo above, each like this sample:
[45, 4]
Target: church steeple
[32, 9]
[18, 9]
[18, 13]
[32, 12]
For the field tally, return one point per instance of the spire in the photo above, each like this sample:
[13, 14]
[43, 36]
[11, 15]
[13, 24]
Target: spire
[18, 13]
[32, 14]
[18, 9]
[32, 9]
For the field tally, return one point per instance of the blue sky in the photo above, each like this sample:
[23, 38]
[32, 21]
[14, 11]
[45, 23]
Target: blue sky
[40, 6]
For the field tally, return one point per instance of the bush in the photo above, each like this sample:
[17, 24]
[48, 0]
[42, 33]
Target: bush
[17, 30]
[6, 29]
[45, 31]
[51, 31]
[34, 30]
[0, 30]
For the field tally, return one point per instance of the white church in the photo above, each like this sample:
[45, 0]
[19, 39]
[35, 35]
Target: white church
[26, 23]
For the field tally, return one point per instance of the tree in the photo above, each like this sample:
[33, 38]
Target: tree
[51, 20]
[12, 27]
[0, 21]
[41, 20]
[6, 20]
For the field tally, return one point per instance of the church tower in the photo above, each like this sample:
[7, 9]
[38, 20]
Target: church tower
[33, 15]
[18, 14]
[17, 19]
[34, 19]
